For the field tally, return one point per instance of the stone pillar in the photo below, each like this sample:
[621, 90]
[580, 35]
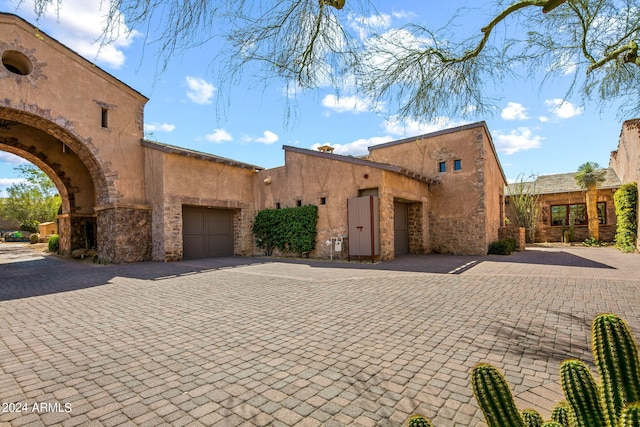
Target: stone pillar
[243, 231]
[167, 232]
[511, 232]
[418, 228]
[64, 231]
[124, 233]
[387, 249]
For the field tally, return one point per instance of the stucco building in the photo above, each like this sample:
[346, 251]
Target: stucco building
[140, 200]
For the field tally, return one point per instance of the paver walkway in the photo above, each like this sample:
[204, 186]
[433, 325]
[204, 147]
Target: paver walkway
[255, 341]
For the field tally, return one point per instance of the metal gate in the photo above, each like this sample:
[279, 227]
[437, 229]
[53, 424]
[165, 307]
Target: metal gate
[206, 233]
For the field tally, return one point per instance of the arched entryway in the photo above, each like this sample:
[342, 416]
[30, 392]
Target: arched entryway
[68, 161]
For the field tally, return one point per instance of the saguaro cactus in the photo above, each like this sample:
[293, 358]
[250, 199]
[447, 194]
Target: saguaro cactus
[581, 393]
[616, 356]
[494, 397]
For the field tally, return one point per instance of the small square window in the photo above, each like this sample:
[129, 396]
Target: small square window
[298, 202]
[457, 165]
[278, 205]
[323, 200]
[442, 167]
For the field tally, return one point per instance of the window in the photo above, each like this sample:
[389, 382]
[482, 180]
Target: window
[457, 165]
[442, 167]
[278, 205]
[298, 202]
[105, 118]
[17, 62]
[564, 214]
[323, 200]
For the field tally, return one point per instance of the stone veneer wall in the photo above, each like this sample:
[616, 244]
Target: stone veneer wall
[243, 231]
[546, 233]
[124, 234]
[64, 231]
[387, 231]
[418, 233]
[167, 233]
[452, 235]
[518, 233]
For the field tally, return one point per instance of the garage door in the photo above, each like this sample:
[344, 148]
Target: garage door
[206, 232]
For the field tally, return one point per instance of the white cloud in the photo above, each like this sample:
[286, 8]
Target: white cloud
[199, 90]
[519, 139]
[563, 109]
[267, 137]
[12, 159]
[409, 127]
[79, 24]
[543, 119]
[514, 111]
[347, 104]
[8, 182]
[218, 135]
[159, 127]
[365, 25]
[358, 147]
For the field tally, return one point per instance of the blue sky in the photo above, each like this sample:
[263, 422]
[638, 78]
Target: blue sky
[535, 130]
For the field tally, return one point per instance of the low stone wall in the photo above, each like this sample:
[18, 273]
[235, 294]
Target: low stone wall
[580, 233]
[517, 233]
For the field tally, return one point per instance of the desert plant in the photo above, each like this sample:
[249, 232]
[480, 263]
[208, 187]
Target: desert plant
[581, 392]
[34, 238]
[523, 207]
[630, 416]
[616, 356]
[501, 247]
[626, 201]
[561, 414]
[494, 397]
[54, 243]
[590, 176]
[532, 418]
[418, 420]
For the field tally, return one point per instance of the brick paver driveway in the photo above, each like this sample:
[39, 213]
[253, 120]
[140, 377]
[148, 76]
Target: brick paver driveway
[256, 341]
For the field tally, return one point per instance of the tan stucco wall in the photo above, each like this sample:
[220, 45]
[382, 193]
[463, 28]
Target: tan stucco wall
[464, 208]
[69, 93]
[309, 178]
[175, 180]
[625, 161]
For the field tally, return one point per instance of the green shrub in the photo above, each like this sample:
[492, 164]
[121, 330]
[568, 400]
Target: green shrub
[289, 229]
[626, 201]
[29, 225]
[34, 238]
[502, 247]
[593, 242]
[54, 243]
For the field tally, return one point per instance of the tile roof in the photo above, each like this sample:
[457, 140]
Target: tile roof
[565, 183]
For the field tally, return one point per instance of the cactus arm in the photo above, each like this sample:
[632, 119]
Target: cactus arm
[561, 414]
[630, 416]
[616, 355]
[532, 418]
[582, 394]
[494, 397]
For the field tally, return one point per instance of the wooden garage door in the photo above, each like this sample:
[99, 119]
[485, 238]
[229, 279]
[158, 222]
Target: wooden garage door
[206, 232]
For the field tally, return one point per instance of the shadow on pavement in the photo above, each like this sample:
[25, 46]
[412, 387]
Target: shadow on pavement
[25, 273]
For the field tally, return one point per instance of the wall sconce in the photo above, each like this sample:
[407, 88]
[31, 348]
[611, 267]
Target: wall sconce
[267, 180]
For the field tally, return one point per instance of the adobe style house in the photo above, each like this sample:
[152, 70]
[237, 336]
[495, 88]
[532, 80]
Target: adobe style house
[625, 160]
[138, 200]
[562, 201]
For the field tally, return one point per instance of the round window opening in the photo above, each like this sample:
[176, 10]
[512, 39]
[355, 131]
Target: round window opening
[17, 62]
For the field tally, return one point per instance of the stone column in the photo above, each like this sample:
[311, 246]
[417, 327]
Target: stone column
[124, 233]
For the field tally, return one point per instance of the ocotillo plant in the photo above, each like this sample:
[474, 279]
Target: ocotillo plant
[494, 397]
[616, 356]
[581, 392]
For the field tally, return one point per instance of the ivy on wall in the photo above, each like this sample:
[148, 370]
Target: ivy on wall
[626, 201]
[288, 230]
